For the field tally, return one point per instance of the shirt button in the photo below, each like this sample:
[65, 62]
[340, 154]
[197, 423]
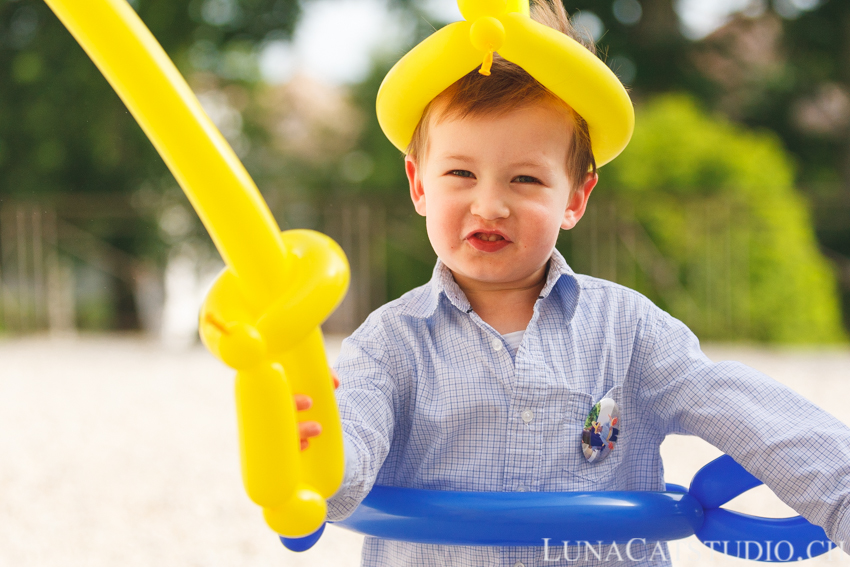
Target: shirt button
[519, 564]
[527, 415]
[521, 488]
[497, 345]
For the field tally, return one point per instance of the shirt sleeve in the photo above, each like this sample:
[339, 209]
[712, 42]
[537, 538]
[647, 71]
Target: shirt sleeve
[366, 405]
[797, 449]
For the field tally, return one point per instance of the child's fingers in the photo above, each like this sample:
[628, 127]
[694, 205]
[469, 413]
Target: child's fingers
[302, 402]
[307, 429]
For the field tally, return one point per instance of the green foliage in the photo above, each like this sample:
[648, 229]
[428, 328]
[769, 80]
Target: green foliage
[63, 129]
[410, 258]
[66, 139]
[388, 174]
[719, 203]
[809, 68]
[641, 41]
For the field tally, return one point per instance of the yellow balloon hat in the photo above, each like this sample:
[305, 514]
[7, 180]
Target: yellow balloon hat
[558, 62]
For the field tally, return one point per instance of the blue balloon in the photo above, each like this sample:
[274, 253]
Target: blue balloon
[519, 519]
[745, 536]
[720, 481]
[302, 543]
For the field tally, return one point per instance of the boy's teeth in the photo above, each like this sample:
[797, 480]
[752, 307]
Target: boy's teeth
[489, 237]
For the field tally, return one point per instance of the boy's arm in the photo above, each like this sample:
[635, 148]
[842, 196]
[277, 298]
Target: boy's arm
[796, 448]
[367, 398]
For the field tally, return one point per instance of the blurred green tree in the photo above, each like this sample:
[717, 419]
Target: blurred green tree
[786, 67]
[684, 172]
[62, 128]
[65, 135]
[641, 41]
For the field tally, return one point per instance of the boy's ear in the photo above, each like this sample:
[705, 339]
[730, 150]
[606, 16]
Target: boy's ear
[417, 190]
[578, 202]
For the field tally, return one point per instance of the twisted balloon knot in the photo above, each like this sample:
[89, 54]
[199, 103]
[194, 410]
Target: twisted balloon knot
[485, 66]
[486, 33]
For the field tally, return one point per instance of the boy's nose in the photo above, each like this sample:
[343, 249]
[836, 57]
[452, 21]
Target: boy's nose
[490, 202]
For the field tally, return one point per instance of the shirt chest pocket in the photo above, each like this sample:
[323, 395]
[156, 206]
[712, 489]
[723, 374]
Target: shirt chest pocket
[600, 474]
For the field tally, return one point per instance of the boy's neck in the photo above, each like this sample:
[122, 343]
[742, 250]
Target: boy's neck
[506, 307]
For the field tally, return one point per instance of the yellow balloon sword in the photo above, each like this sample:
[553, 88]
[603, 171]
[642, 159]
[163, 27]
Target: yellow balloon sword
[262, 315]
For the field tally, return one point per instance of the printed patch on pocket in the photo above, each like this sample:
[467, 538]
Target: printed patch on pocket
[601, 428]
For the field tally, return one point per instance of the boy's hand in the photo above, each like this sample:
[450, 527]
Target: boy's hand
[308, 429]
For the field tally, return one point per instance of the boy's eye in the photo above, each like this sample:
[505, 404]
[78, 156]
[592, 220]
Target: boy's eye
[461, 173]
[526, 179]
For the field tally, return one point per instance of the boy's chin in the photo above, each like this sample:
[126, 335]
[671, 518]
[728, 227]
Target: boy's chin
[489, 277]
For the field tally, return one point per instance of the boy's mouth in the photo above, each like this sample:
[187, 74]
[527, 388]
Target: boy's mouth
[487, 241]
[488, 237]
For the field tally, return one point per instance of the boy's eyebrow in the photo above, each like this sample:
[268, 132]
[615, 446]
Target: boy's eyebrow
[529, 163]
[459, 158]
[525, 163]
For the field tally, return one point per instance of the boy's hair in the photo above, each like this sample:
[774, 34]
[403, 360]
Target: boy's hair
[508, 88]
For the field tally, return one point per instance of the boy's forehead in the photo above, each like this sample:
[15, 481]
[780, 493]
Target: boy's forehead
[549, 120]
[532, 135]
[444, 108]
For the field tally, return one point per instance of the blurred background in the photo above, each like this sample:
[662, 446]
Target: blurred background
[730, 208]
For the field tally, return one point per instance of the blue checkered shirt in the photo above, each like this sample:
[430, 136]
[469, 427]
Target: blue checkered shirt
[432, 398]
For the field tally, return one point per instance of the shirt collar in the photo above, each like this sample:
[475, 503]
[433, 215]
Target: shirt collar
[443, 284]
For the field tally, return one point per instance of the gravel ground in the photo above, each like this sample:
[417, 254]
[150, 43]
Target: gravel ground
[117, 451]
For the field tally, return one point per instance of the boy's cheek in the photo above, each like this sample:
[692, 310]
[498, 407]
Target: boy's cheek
[438, 234]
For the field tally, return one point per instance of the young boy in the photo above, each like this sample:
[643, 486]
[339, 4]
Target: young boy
[482, 379]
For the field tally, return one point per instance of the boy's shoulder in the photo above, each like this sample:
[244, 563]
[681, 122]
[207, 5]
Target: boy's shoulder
[599, 298]
[597, 289]
[605, 302]
[417, 304]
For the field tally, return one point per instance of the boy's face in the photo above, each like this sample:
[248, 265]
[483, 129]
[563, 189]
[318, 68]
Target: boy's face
[495, 192]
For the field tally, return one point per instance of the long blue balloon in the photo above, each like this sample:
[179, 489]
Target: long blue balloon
[522, 519]
[745, 536]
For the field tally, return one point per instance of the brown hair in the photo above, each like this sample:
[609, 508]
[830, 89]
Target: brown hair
[508, 88]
